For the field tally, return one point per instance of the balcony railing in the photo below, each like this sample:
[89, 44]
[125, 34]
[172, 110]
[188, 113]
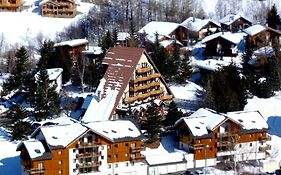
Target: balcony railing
[88, 144]
[135, 89]
[36, 170]
[143, 70]
[85, 155]
[223, 143]
[136, 158]
[87, 164]
[196, 146]
[166, 97]
[137, 149]
[139, 79]
[265, 148]
[143, 96]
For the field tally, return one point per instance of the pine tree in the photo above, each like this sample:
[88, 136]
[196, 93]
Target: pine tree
[19, 72]
[114, 36]
[106, 41]
[184, 70]
[153, 123]
[226, 90]
[47, 101]
[272, 74]
[173, 114]
[19, 128]
[133, 35]
[263, 89]
[273, 19]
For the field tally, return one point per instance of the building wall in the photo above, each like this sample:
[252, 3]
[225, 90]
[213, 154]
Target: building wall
[54, 8]
[10, 5]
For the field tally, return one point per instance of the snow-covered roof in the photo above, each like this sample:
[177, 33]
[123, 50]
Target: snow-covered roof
[61, 135]
[235, 38]
[255, 29]
[162, 28]
[170, 158]
[249, 119]
[94, 50]
[115, 129]
[54, 73]
[72, 43]
[210, 64]
[169, 42]
[34, 148]
[229, 19]
[101, 110]
[196, 24]
[203, 120]
[87, 102]
[122, 36]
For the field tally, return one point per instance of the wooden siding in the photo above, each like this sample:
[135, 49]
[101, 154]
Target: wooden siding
[263, 38]
[211, 48]
[237, 25]
[10, 5]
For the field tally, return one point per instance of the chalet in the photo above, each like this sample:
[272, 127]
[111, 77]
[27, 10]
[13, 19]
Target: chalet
[223, 44]
[259, 36]
[72, 48]
[131, 79]
[234, 23]
[197, 28]
[10, 5]
[106, 147]
[58, 8]
[168, 33]
[213, 137]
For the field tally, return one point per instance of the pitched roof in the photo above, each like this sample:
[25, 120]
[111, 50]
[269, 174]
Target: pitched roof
[162, 28]
[196, 24]
[34, 148]
[72, 43]
[60, 135]
[115, 130]
[249, 119]
[257, 28]
[235, 38]
[229, 19]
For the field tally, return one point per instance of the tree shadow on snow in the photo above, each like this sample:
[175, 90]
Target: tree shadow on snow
[10, 165]
[168, 143]
[274, 123]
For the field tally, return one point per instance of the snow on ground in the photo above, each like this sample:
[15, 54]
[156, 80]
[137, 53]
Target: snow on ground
[9, 157]
[187, 91]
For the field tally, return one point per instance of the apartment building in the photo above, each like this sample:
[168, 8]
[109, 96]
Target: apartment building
[10, 5]
[58, 8]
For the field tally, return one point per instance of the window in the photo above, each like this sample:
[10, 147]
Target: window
[126, 144]
[109, 156]
[251, 144]
[60, 162]
[116, 165]
[116, 145]
[127, 164]
[108, 147]
[74, 160]
[115, 155]
[40, 165]
[126, 154]
[60, 171]
[102, 157]
[74, 150]
[133, 144]
[101, 147]
[109, 166]
[59, 152]
[74, 170]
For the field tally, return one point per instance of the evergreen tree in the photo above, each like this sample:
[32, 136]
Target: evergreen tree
[173, 114]
[47, 102]
[263, 89]
[133, 35]
[114, 36]
[153, 123]
[19, 128]
[226, 90]
[106, 41]
[273, 19]
[19, 72]
[246, 57]
[272, 74]
[184, 70]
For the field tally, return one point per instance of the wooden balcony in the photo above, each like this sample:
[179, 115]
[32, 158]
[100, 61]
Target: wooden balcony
[143, 96]
[197, 146]
[223, 143]
[265, 138]
[36, 170]
[137, 159]
[166, 97]
[87, 164]
[88, 144]
[135, 89]
[86, 155]
[143, 70]
[139, 79]
[137, 149]
[265, 148]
